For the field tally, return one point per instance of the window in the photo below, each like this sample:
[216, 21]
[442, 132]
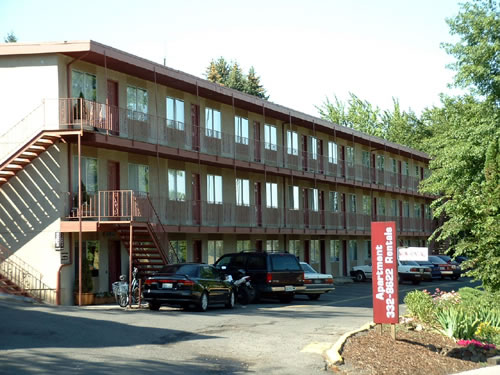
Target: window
[292, 142]
[353, 250]
[406, 209]
[212, 123]
[242, 192]
[270, 140]
[381, 206]
[313, 200]
[366, 159]
[176, 185]
[349, 156]
[83, 85]
[394, 208]
[214, 251]
[242, 245]
[294, 247]
[394, 165]
[416, 210]
[332, 152]
[214, 189]
[89, 176]
[138, 177]
[272, 245]
[352, 203]
[427, 173]
[406, 168]
[314, 251]
[271, 195]
[368, 247]
[367, 205]
[241, 130]
[180, 248]
[175, 113]
[334, 201]
[380, 162]
[427, 212]
[417, 171]
[334, 250]
[293, 197]
[137, 103]
[314, 148]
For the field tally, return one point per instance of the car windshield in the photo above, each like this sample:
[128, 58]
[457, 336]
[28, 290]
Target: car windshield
[307, 268]
[285, 262]
[435, 259]
[181, 269]
[445, 258]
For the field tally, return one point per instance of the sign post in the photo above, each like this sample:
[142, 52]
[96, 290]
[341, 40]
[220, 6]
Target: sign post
[385, 274]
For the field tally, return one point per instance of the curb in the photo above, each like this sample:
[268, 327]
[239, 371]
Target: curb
[333, 356]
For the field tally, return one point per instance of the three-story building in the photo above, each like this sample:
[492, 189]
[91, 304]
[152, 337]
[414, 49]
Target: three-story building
[173, 167]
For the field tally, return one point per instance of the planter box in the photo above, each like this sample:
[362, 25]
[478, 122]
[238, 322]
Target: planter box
[87, 299]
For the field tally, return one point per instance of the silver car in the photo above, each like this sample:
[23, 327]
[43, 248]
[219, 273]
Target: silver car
[316, 283]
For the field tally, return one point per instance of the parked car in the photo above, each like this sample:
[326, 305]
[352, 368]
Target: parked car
[447, 270]
[457, 270]
[316, 283]
[187, 284]
[407, 271]
[435, 272]
[273, 275]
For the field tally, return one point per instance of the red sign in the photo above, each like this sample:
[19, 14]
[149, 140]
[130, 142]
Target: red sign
[385, 272]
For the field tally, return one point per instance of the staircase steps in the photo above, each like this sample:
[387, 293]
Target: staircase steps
[9, 287]
[27, 153]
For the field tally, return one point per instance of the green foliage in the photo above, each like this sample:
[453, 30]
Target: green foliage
[230, 75]
[457, 322]
[487, 332]
[87, 284]
[10, 38]
[420, 305]
[396, 125]
[478, 51]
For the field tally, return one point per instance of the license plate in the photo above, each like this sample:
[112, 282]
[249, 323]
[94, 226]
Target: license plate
[317, 281]
[289, 288]
[167, 285]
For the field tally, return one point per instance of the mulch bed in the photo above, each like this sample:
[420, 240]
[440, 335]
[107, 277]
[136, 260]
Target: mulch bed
[413, 352]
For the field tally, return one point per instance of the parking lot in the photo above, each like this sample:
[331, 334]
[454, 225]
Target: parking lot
[268, 337]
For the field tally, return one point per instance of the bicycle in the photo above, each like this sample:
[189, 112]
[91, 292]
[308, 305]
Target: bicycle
[121, 292]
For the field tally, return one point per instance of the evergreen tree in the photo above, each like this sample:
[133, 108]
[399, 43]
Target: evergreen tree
[218, 71]
[236, 80]
[253, 86]
[10, 38]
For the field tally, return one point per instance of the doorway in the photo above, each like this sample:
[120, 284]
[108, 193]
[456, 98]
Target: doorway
[258, 203]
[195, 125]
[113, 202]
[113, 123]
[196, 198]
[197, 253]
[114, 262]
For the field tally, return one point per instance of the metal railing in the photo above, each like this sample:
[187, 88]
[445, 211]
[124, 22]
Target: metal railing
[25, 277]
[129, 205]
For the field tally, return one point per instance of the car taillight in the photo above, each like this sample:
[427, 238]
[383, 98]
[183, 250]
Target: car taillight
[414, 270]
[185, 282]
[269, 277]
[329, 281]
[307, 281]
[149, 282]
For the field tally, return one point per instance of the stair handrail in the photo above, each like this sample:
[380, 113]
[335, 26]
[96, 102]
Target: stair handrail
[169, 253]
[14, 268]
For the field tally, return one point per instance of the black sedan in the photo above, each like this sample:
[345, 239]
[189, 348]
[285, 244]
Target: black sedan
[186, 284]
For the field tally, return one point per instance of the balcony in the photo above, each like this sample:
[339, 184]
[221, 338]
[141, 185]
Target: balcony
[137, 126]
[127, 205]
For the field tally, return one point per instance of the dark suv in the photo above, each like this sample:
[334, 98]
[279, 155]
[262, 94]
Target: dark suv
[274, 275]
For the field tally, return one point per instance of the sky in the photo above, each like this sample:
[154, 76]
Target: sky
[304, 51]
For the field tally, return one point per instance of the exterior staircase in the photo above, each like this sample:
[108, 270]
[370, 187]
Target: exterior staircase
[29, 152]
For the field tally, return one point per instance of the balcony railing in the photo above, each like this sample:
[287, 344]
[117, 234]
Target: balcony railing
[130, 205]
[139, 126]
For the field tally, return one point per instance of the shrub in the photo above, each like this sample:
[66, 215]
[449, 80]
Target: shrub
[420, 305]
[457, 322]
[488, 333]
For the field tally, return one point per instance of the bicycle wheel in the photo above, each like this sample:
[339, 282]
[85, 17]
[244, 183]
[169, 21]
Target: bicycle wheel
[123, 300]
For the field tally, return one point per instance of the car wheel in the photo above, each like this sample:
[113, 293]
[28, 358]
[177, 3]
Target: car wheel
[360, 276]
[230, 300]
[314, 297]
[154, 306]
[203, 304]
[287, 298]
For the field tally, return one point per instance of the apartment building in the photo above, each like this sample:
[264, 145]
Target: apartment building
[175, 168]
